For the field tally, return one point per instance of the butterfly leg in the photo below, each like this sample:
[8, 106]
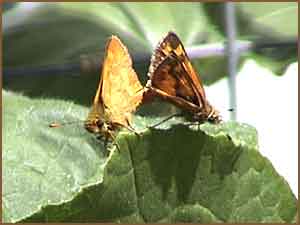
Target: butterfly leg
[130, 128]
[164, 120]
[113, 137]
[190, 123]
[117, 146]
[105, 142]
[197, 123]
[103, 139]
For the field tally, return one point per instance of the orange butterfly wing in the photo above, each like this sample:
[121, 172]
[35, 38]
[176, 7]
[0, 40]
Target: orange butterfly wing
[119, 91]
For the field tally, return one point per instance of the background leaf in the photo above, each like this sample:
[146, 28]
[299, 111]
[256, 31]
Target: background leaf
[263, 23]
[59, 32]
[62, 38]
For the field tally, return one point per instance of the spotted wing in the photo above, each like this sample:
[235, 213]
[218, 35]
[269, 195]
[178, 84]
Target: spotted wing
[172, 72]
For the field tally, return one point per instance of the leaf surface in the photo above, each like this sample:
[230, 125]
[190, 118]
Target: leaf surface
[176, 173]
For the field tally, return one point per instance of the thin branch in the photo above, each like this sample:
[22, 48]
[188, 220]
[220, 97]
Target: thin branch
[216, 49]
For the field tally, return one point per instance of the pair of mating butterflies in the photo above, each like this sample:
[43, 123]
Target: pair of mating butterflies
[171, 77]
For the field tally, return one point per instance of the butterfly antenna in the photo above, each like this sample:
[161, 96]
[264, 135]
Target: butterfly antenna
[142, 88]
[131, 129]
[55, 125]
[114, 142]
[165, 120]
[197, 123]
[117, 146]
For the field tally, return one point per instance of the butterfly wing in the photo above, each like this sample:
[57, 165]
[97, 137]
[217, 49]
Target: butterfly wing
[169, 82]
[96, 114]
[186, 80]
[172, 74]
[120, 90]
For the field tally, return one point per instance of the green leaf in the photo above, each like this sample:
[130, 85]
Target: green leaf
[177, 173]
[280, 17]
[65, 34]
[44, 166]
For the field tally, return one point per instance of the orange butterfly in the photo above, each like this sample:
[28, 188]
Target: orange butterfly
[118, 95]
[173, 78]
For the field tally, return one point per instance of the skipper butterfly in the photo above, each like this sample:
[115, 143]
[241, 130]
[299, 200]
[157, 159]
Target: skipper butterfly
[173, 78]
[118, 94]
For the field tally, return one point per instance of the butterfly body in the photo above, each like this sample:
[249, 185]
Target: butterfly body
[118, 94]
[97, 123]
[173, 78]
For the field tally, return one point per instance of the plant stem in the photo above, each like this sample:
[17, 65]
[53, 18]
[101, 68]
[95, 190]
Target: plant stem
[232, 55]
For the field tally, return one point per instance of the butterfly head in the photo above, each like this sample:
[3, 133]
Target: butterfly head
[94, 125]
[100, 128]
[214, 115]
[95, 122]
[209, 114]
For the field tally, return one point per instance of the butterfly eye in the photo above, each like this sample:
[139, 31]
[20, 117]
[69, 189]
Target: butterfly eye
[99, 123]
[110, 128]
[214, 117]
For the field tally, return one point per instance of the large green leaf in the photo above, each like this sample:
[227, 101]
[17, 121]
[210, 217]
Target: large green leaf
[80, 28]
[41, 166]
[177, 173]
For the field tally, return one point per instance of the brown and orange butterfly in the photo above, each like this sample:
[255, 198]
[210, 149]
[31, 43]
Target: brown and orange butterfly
[173, 78]
[118, 94]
